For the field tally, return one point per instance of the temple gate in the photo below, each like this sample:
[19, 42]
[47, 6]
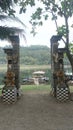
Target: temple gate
[59, 84]
[12, 80]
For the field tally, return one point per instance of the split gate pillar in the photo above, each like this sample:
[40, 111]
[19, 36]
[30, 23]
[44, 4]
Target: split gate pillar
[16, 61]
[10, 90]
[59, 84]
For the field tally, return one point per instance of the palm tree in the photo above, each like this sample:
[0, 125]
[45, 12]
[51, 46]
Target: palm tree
[7, 14]
[9, 29]
[6, 6]
[6, 31]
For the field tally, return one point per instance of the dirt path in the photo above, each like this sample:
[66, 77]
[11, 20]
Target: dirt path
[37, 111]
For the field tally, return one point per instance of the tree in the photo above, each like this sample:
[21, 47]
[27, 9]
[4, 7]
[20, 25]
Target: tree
[6, 6]
[58, 9]
[7, 13]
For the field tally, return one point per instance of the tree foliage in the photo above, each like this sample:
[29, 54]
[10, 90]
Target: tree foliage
[37, 55]
[6, 6]
[58, 9]
[33, 55]
[7, 13]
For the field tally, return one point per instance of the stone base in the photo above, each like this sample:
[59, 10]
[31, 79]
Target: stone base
[9, 95]
[62, 94]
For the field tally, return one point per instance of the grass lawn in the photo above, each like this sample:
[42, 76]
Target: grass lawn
[71, 88]
[3, 67]
[42, 87]
[31, 88]
[35, 87]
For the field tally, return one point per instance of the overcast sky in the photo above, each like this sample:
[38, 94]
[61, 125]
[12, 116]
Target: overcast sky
[44, 32]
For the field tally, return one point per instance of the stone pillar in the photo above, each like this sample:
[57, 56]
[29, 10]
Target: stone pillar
[9, 91]
[56, 61]
[54, 66]
[9, 52]
[16, 63]
[59, 83]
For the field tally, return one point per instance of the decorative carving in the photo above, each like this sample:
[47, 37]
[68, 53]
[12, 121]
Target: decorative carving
[9, 79]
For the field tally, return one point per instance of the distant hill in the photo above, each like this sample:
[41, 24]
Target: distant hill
[32, 55]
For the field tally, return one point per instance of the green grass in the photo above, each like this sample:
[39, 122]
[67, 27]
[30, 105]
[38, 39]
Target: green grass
[1, 86]
[26, 88]
[40, 88]
[71, 88]
[35, 67]
[3, 67]
[35, 87]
